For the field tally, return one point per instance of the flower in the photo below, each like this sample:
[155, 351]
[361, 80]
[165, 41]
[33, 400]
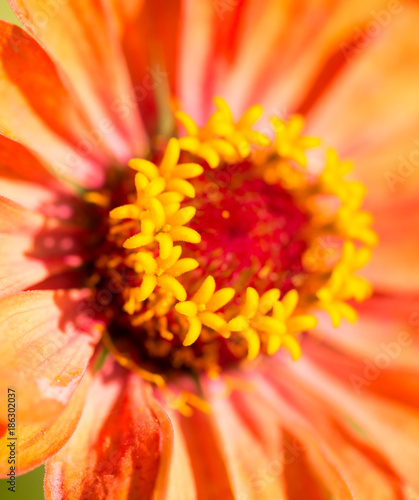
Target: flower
[168, 329]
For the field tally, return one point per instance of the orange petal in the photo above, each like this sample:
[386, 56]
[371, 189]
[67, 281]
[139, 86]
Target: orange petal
[312, 53]
[202, 441]
[149, 41]
[38, 441]
[301, 51]
[387, 325]
[378, 130]
[45, 348]
[42, 114]
[17, 162]
[116, 450]
[377, 373]
[389, 428]
[195, 49]
[312, 425]
[28, 182]
[243, 422]
[82, 38]
[180, 482]
[311, 471]
[393, 266]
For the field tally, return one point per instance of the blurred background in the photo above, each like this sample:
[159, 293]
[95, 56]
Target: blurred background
[7, 13]
[29, 486]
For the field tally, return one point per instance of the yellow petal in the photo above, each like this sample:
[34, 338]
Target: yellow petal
[251, 116]
[157, 213]
[147, 287]
[293, 346]
[205, 291]
[181, 186]
[290, 302]
[147, 261]
[252, 302]
[213, 321]
[190, 126]
[220, 299]
[185, 234]
[182, 266]
[195, 327]
[188, 308]
[238, 324]
[268, 300]
[172, 285]
[187, 171]
[138, 240]
[146, 167]
[166, 245]
[125, 212]
[182, 217]
[155, 187]
[171, 156]
[302, 323]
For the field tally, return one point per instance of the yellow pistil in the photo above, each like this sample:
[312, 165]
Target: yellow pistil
[202, 310]
[221, 138]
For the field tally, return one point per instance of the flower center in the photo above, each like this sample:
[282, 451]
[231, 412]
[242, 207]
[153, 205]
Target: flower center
[226, 247]
[251, 231]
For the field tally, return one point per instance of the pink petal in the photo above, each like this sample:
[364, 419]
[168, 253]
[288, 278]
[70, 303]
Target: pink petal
[34, 247]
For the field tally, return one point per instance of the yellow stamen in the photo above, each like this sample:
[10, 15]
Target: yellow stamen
[202, 310]
[221, 138]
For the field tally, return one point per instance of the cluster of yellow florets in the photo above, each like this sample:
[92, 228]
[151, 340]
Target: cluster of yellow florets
[162, 212]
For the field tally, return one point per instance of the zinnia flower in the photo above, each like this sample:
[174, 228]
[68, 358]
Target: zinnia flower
[182, 312]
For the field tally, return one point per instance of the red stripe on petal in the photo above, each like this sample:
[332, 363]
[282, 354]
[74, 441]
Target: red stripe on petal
[39, 111]
[117, 447]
